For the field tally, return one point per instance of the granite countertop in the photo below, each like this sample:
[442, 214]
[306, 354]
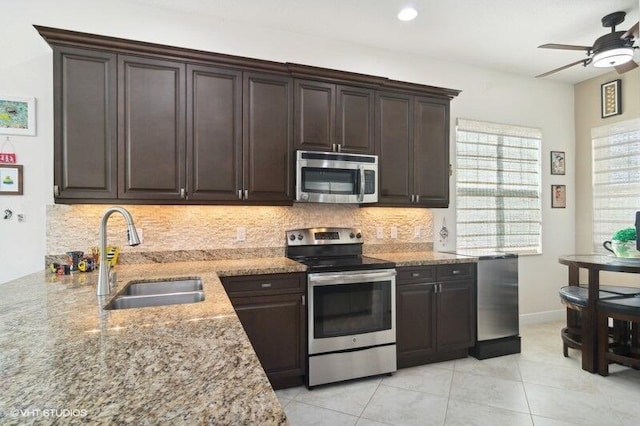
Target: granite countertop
[62, 357]
[420, 258]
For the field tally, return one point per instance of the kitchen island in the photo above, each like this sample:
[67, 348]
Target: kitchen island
[63, 357]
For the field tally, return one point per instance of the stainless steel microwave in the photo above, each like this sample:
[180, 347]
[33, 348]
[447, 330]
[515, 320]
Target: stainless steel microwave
[332, 177]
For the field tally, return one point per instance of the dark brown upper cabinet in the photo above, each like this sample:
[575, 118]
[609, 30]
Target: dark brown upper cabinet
[151, 129]
[267, 138]
[412, 142]
[85, 110]
[330, 117]
[214, 133]
[150, 123]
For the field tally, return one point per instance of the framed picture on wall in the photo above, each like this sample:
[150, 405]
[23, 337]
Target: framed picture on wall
[17, 116]
[10, 179]
[557, 163]
[611, 97]
[558, 196]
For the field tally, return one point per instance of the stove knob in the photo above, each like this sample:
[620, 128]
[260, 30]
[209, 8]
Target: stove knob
[358, 235]
[352, 235]
[292, 237]
[300, 236]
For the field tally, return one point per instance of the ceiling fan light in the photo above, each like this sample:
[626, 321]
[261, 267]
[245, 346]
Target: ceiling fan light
[613, 57]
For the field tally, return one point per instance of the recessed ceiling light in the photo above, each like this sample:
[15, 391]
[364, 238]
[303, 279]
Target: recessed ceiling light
[407, 14]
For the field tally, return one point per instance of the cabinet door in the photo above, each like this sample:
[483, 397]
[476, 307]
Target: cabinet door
[151, 122]
[415, 323]
[354, 119]
[85, 144]
[394, 114]
[277, 329]
[431, 152]
[456, 315]
[314, 115]
[268, 130]
[214, 133]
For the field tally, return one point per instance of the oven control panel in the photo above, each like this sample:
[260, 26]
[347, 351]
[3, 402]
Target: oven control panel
[318, 236]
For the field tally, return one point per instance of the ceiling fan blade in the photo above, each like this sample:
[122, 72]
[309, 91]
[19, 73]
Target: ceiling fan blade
[581, 61]
[627, 66]
[564, 46]
[633, 31]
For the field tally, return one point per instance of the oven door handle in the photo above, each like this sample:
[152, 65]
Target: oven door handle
[350, 277]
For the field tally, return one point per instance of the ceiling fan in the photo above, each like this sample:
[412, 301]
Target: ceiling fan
[614, 49]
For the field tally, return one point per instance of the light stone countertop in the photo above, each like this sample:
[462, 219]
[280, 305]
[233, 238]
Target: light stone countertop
[179, 364]
[422, 258]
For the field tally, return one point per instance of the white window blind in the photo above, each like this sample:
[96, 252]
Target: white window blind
[498, 187]
[616, 178]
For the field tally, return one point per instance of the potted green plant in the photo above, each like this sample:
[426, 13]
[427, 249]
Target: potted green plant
[623, 244]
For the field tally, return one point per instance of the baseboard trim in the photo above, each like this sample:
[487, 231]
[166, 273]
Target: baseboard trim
[542, 317]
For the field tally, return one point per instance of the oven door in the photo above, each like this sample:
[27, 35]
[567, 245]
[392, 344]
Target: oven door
[349, 310]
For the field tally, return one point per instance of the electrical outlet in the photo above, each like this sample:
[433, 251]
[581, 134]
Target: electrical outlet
[417, 231]
[379, 232]
[241, 233]
[22, 217]
[394, 232]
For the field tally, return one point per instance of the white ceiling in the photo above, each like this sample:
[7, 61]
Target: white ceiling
[502, 35]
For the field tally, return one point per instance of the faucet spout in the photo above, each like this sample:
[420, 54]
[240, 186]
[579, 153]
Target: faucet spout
[104, 285]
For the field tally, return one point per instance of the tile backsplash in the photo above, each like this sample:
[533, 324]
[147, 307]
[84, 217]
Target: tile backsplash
[206, 228]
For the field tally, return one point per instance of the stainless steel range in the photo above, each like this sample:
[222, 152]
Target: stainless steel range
[351, 305]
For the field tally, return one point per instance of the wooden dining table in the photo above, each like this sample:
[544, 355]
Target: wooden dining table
[594, 263]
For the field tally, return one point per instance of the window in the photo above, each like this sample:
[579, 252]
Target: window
[616, 178]
[498, 187]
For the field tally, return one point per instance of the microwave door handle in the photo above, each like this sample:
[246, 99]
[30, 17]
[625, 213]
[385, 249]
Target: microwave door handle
[361, 195]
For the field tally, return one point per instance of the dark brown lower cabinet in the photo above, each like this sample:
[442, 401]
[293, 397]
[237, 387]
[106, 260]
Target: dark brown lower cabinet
[435, 315]
[272, 311]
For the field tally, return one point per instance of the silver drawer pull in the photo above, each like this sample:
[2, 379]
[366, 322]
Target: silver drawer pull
[455, 272]
[415, 274]
[265, 285]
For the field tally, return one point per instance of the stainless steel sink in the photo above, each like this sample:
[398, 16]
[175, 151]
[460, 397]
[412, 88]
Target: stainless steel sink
[141, 294]
[177, 285]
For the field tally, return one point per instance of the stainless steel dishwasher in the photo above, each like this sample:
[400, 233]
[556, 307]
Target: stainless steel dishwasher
[498, 330]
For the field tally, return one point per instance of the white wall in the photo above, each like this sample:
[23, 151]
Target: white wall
[25, 70]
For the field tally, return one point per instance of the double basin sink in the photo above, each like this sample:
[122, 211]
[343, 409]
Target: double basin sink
[148, 293]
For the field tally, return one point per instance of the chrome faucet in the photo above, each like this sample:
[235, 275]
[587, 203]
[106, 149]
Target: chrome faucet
[104, 282]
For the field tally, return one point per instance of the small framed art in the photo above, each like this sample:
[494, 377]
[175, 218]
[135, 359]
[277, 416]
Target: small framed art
[558, 196]
[611, 98]
[557, 163]
[17, 115]
[10, 179]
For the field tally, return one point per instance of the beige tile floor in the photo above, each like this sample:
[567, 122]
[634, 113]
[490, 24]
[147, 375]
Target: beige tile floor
[536, 387]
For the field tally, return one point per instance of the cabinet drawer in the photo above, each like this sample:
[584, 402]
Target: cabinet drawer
[249, 285]
[415, 274]
[455, 271]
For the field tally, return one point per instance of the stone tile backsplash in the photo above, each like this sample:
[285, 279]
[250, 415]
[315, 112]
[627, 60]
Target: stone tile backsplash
[214, 228]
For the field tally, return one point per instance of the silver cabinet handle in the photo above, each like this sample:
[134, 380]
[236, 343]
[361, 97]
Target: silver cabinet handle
[339, 148]
[265, 285]
[246, 194]
[183, 193]
[240, 194]
[415, 274]
[56, 190]
[417, 198]
[304, 300]
[455, 272]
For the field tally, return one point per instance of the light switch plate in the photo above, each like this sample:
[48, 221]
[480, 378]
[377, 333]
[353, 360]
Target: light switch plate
[379, 232]
[394, 232]
[241, 233]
